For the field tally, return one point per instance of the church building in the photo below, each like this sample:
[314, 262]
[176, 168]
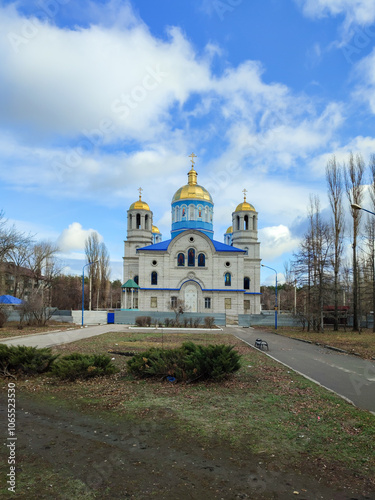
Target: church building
[206, 275]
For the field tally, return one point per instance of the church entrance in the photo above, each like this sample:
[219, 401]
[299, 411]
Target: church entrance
[191, 299]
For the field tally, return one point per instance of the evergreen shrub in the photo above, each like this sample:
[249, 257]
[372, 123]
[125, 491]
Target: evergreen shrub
[83, 366]
[25, 360]
[187, 363]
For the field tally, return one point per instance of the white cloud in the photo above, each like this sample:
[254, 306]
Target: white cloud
[74, 237]
[275, 241]
[355, 11]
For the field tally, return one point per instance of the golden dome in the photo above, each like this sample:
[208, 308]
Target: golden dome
[229, 230]
[245, 206]
[155, 229]
[192, 190]
[139, 205]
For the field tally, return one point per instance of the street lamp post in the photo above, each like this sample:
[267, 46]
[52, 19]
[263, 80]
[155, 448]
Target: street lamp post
[83, 285]
[274, 270]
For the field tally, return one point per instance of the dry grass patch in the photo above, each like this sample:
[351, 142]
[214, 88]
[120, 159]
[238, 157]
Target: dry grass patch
[11, 329]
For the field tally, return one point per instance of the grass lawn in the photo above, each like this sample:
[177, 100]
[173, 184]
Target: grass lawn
[362, 343]
[263, 409]
[10, 329]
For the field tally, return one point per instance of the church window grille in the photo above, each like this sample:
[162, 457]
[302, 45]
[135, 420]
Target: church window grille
[207, 303]
[191, 257]
[154, 278]
[154, 302]
[246, 283]
[181, 260]
[228, 279]
[228, 303]
[201, 260]
[246, 222]
[173, 302]
[136, 279]
[191, 212]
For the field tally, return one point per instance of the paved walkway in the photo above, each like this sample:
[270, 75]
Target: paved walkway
[349, 376]
[63, 337]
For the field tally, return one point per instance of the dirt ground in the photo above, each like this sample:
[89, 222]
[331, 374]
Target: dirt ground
[119, 458]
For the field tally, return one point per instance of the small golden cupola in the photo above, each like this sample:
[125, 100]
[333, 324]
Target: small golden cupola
[139, 204]
[245, 206]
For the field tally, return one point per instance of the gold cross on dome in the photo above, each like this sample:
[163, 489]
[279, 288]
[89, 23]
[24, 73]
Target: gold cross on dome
[244, 194]
[192, 156]
[140, 192]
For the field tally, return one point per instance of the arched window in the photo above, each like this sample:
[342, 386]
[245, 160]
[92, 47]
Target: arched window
[136, 279]
[146, 221]
[130, 221]
[206, 215]
[191, 212]
[180, 259]
[246, 222]
[191, 257]
[200, 211]
[246, 250]
[154, 278]
[246, 283]
[177, 214]
[183, 212]
[228, 279]
[238, 222]
[201, 260]
[138, 221]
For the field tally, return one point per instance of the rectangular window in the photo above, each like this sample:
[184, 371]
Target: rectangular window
[154, 302]
[228, 303]
[173, 301]
[207, 303]
[246, 305]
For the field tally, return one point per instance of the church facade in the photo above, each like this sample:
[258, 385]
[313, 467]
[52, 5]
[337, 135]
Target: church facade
[192, 268]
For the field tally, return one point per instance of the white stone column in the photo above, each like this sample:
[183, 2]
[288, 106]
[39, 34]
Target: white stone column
[132, 298]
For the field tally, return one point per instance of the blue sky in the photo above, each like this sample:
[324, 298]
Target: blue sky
[99, 98]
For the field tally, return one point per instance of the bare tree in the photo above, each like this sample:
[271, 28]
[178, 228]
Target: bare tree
[353, 173]
[98, 274]
[335, 193]
[371, 234]
[311, 265]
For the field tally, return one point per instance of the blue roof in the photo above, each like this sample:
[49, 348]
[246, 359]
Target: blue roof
[219, 247]
[9, 299]
[162, 246]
